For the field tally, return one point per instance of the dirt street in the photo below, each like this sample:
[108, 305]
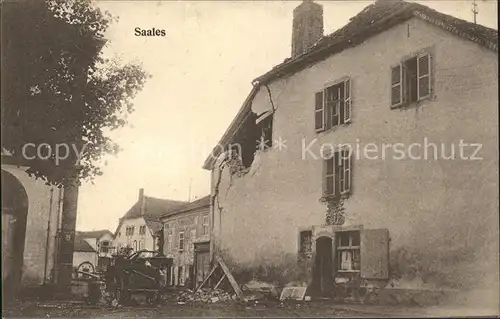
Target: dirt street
[222, 310]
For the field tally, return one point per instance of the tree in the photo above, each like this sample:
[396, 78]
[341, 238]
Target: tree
[59, 94]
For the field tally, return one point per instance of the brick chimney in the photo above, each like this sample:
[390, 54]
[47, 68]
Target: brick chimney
[142, 200]
[307, 26]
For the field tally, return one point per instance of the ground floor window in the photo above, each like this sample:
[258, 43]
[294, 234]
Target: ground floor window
[348, 251]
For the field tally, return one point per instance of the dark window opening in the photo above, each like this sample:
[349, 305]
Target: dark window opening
[410, 72]
[266, 133]
[105, 247]
[181, 241]
[243, 143]
[411, 80]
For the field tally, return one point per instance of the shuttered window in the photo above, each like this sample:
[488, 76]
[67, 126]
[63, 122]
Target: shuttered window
[411, 80]
[337, 173]
[333, 106]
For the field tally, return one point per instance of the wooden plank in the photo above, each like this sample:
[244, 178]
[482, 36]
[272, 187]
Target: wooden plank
[143, 275]
[220, 281]
[229, 276]
[293, 293]
[207, 277]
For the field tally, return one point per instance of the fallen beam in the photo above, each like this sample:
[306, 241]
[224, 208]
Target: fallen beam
[229, 276]
[206, 278]
[220, 281]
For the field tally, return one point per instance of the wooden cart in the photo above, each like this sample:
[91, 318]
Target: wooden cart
[140, 273]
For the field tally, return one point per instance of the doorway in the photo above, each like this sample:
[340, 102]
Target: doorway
[14, 217]
[323, 282]
[202, 262]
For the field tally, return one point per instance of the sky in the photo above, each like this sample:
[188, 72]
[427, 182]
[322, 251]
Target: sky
[201, 73]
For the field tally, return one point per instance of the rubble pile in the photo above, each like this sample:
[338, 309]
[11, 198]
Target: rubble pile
[206, 296]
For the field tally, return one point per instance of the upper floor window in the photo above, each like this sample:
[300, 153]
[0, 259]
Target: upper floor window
[411, 80]
[181, 240]
[265, 125]
[205, 225]
[129, 231]
[142, 230]
[337, 173]
[333, 106]
[105, 246]
[170, 246]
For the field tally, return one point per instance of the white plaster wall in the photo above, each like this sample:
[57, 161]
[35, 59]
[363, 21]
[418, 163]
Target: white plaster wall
[84, 256]
[123, 240]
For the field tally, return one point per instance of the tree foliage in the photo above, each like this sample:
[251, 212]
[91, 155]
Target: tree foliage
[58, 89]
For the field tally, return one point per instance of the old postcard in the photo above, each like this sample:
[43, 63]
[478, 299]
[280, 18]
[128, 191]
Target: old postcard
[250, 158]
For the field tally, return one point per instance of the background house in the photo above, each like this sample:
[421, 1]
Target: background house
[398, 72]
[140, 228]
[85, 257]
[187, 239]
[102, 242]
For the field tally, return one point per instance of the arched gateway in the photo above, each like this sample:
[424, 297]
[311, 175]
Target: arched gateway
[14, 217]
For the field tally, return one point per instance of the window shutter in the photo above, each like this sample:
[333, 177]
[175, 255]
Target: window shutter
[338, 172]
[397, 85]
[424, 76]
[319, 112]
[375, 254]
[347, 101]
[329, 175]
[345, 186]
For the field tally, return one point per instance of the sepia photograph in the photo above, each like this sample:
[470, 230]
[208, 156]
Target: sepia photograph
[250, 159]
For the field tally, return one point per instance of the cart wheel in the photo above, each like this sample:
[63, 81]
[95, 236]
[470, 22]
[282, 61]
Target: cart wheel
[153, 298]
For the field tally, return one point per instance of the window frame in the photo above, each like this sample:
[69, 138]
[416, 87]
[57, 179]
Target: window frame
[330, 155]
[429, 52]
[182, 240]
[344, 102]
[205, 226]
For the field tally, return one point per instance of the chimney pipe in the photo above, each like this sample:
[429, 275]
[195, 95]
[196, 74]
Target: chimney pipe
[307, 27]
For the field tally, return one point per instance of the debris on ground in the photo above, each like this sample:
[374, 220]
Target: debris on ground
[205, 295]
[293, 293]
[268, 290]
[249, 296]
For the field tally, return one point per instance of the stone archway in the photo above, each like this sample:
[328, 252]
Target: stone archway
[14, 217]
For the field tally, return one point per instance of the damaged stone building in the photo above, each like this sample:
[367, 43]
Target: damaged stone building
[302, 173]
